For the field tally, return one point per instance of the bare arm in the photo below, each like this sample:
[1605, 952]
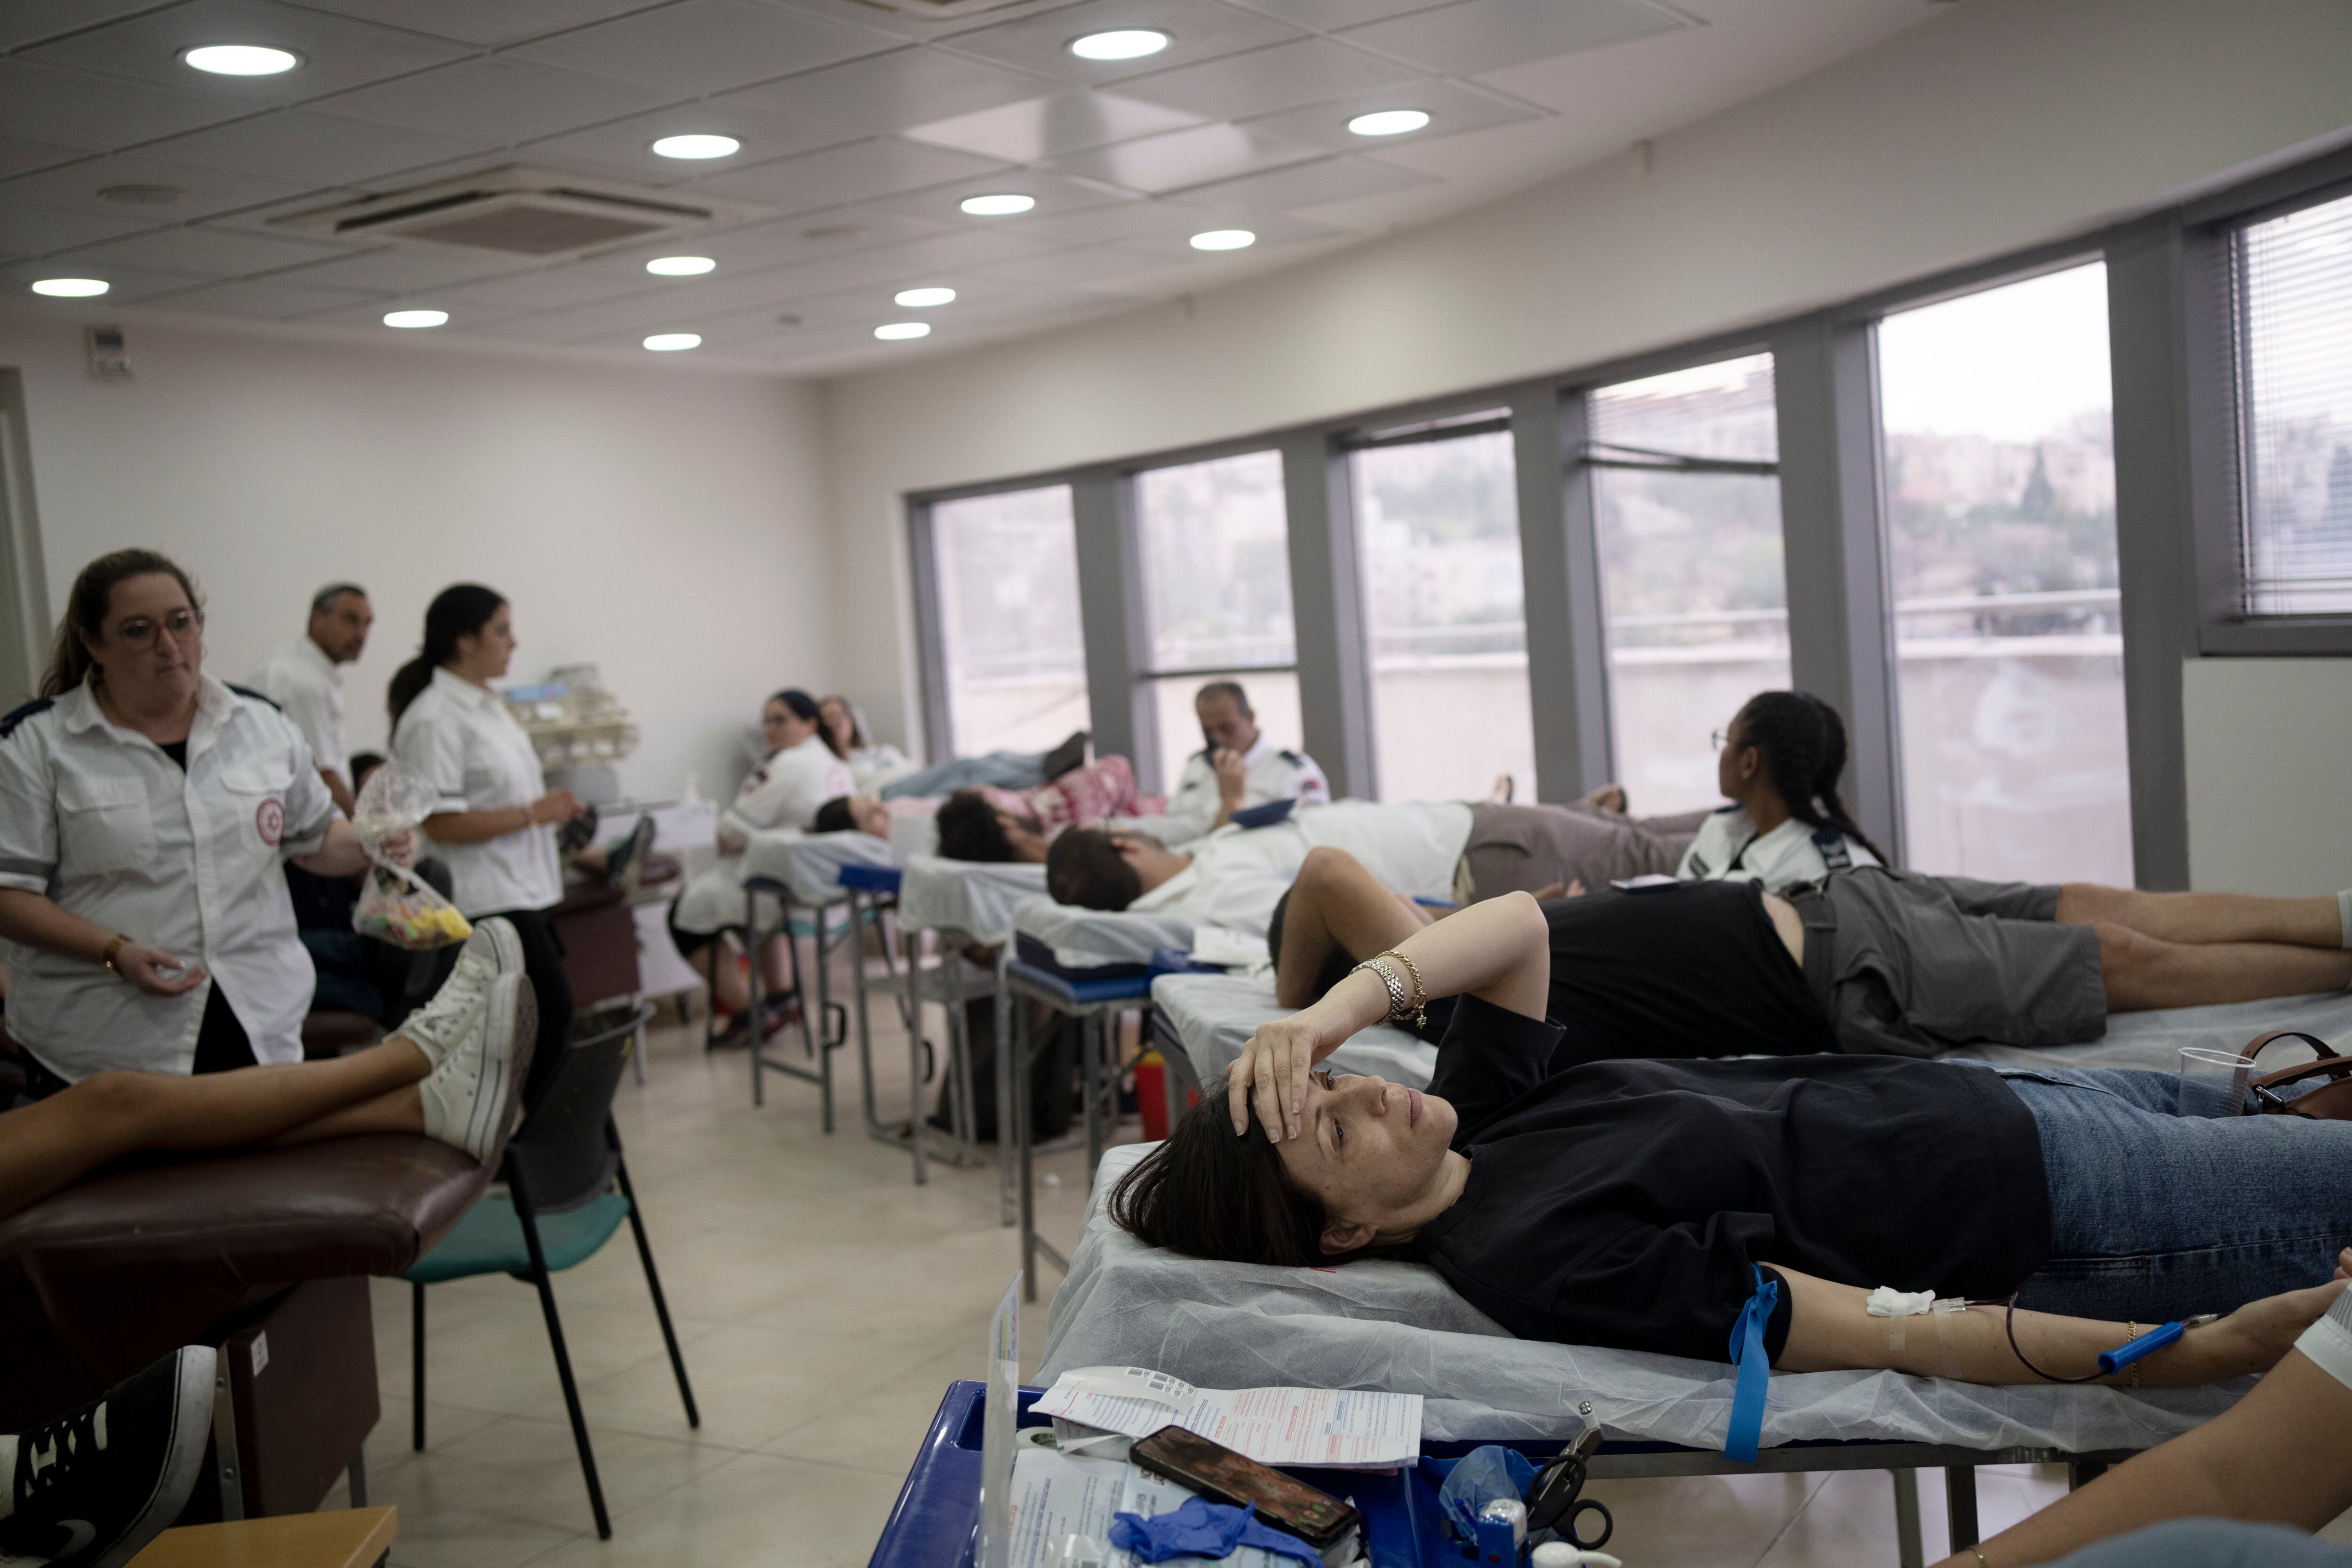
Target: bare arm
[341, 853]
[481, 826]
[1336, 905]
[1829, 1331]
[1499, 950]
[37, 921]
[345, 800]
[2275, 1457]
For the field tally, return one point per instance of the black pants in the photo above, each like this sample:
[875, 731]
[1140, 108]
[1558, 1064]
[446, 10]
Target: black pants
[543, 960]
[221, 1046]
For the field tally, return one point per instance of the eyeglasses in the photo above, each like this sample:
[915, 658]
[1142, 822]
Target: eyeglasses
[140, 632]
[1717, 739]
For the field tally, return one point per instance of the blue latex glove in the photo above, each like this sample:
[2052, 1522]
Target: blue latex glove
[1204, 1529]
[1479, 1477]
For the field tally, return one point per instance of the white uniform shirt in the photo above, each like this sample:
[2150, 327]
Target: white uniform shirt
[874, 768]
[1239, 874]
[1274, 774]
[1729, 849]
[97, 819]
[785, 792]
[308, 687]
[461, 739]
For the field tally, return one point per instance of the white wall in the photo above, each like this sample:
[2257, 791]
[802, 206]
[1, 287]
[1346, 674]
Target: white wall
[665, 523]
[2002, 124]
[2270, 769]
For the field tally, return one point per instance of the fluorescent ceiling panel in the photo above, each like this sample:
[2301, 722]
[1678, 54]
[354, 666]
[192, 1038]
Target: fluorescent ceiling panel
[893, 92]
[1272, 79]
[706, 45]
[1196, 29]
[1181, 158]
[1037, 128]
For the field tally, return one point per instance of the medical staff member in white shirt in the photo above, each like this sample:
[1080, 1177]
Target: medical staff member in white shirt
[494, 824]
[802, 771]
[1786, 825]
[1237, 768]
[305, 678]
[147, 811]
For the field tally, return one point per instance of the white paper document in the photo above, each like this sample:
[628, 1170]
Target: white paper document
[1055, 1496]
[1272, 1425]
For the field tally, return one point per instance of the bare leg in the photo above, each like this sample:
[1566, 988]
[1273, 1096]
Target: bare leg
[1336, 904]
[52, 1145]
[2142, 971]
[716, 964]
[401, 1110]
[2205, 917]
[777, 966]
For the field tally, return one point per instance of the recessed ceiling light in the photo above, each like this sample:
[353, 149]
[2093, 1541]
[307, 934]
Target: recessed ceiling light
[698, 146]
[679, 266]
[69, 288]
[1387, 122]
[1002, 205]
[920, 298]
[239, 59]
[1224, 240]
[416, 318]
[1126, 44]
[898, 331]
[670, 343]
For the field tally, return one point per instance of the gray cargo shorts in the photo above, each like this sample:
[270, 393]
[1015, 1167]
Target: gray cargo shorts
[1910, 964]
[1520, 848]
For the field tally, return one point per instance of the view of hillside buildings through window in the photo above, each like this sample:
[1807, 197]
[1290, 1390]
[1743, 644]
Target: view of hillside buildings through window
[2000, 512]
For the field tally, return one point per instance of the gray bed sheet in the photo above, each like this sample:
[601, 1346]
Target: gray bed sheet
[1090, 939]
[1398, 1327]
[1214, 1016]
[965, 895]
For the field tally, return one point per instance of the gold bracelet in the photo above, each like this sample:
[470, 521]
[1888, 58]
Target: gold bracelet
[112, 948]
[1980, 1557]
[1419, 1006]
[2135, 1366]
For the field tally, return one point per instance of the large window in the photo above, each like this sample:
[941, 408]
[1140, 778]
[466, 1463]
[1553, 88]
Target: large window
[2000, 510]
[2294, 320]
[1011, 653]
[1215, 557]
[1687, 501]
[1445, 611]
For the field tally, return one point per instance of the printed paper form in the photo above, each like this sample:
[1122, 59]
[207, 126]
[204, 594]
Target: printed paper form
[1057, 1495]
[1272, 1425]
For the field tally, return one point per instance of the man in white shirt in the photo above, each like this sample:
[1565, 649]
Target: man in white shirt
[305, 678]
[1238, 768]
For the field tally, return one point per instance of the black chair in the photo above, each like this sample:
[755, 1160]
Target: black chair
[562, 1169]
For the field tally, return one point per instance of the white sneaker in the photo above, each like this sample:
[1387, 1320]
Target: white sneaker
[467, 1096]
[444, 1023]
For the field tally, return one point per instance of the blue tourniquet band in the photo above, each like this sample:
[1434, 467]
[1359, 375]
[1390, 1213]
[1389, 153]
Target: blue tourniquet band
[1755, 1370]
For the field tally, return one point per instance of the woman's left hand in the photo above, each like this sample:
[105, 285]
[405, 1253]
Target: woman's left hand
[1271, 1073]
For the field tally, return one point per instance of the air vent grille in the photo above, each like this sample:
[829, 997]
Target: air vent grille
[521, 212]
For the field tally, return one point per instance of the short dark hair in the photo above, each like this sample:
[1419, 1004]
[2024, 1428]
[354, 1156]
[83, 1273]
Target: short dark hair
[969, 829]
[1084, 868]
[1207, 1194]
[833, 816]
[324, 599]
[363, 764]
[1231, 688]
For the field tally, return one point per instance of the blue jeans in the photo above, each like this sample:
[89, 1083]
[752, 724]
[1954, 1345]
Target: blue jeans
[1005, 770]
[2211, 1544]
[2155, 1215]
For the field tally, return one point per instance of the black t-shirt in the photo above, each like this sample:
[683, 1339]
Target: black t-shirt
[1694, 970]
[1623, 1202]
[177, 751]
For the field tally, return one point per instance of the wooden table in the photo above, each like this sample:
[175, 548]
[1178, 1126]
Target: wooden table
[349, 1538]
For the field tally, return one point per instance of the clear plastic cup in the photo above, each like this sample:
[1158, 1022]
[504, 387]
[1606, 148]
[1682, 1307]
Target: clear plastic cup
[2214, 1083]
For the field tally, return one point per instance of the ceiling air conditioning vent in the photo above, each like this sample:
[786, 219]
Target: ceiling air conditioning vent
[519, 211]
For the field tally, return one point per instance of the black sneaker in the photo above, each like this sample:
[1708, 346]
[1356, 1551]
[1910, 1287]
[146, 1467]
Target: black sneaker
[1071, 753]
[96, 1485]
[627, 861]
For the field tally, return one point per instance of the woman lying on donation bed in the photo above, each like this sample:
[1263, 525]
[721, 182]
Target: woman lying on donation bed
[1641, 1204]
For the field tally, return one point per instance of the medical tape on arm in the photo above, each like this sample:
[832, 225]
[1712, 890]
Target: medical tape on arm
[1898, 1307]
[1945, 1311]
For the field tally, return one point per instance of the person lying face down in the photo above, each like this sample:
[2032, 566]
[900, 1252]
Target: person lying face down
[1641, 1204]
[972, 826]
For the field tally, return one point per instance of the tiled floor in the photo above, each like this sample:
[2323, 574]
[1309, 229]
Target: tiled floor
[825, 1303]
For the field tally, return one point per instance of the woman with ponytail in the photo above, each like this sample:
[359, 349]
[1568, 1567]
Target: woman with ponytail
[496, 820]
[1780, 766]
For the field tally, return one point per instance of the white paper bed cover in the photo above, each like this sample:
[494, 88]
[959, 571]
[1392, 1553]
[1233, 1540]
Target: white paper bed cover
[969, 896]
[1089, 939]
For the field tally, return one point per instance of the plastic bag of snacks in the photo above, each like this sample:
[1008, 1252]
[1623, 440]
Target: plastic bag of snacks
[395, 905]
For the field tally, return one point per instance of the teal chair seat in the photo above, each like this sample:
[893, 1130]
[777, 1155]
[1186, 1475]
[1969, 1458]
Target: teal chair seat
[490, 1240]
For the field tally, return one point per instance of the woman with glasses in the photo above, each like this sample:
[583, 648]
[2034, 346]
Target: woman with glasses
[147, 811]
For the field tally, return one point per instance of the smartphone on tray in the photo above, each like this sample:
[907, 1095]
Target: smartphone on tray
[1224, 1476]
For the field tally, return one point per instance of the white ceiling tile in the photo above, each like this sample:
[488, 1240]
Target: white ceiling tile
[1267, 80]
[1480, 35]
[1197, 30]
[889, 92]
[627, 146]
[1174, 241]
[496, 100]
[861, 170]
[336, 53]
[1451, 108]
[26, 22]
[20, 157]
[545, 327]
[368, 315]
[1327, 16]
[74, 108]
[311, 148]
[1037, 128]
[1309, 184]
[480, 21]
[205, 191]
[704, 46]
[1053, 194]
[264, 297]
[775, 243]
[29, 230]
[206, 252]
[1179, 158]
[129, 283]
[406, 268]
[1068, 268]
[551, 288]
